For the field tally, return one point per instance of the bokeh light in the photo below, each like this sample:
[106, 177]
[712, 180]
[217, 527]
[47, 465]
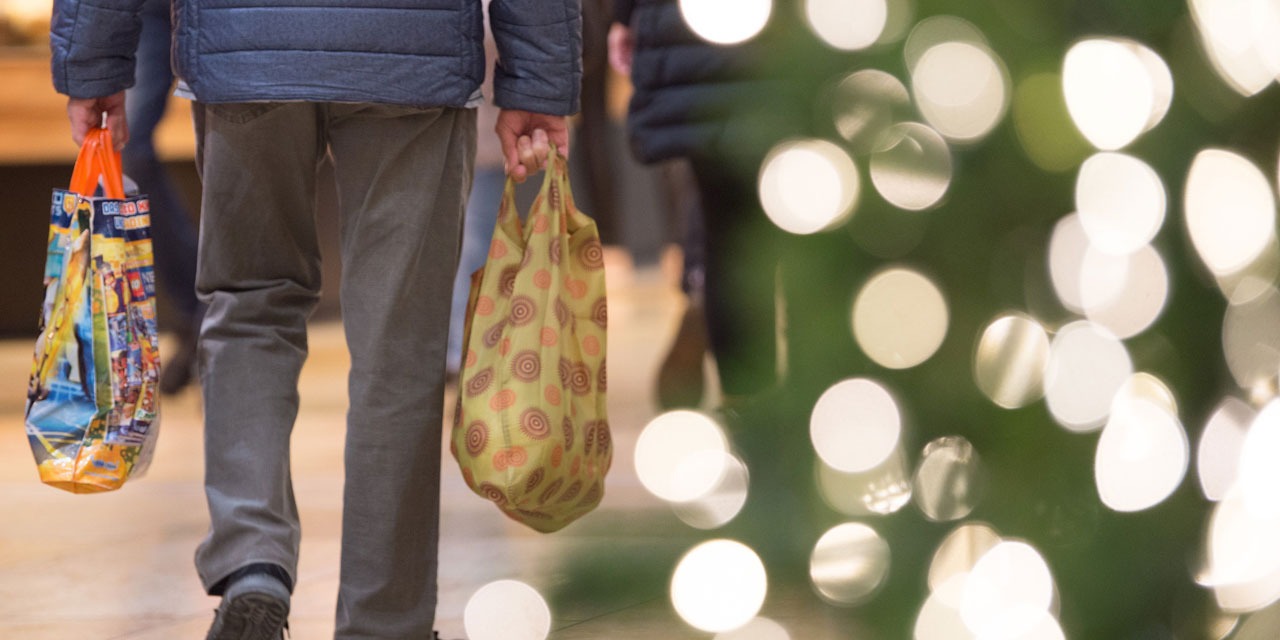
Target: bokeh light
[719, 586]
[948, 480]
[1010, 361]
[866, 103]
[1232, 33]
[935, 30]
[1251, 339]
[1255, 279]
[911, 167]
[1067, 250]
[961, 88]
[672, 452]
[808, 185]
[849, 562]
[1142, 454]
[1259, 477]
[939, 617]
[1243, 556]
[760, 628]
[1125, 294]
[1147, 387]
[1087, 366]
[726, 21]
[1218, 456]
[724, 500]
[1115, 90]
[899, 318]
[1007, 593]
[882, 490]
[1230, 210]
[959, 551]
[507, 610]
[1121, 202]
[855, 425]
[847, 24]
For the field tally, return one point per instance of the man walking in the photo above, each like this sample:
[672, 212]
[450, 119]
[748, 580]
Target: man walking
[386, 88]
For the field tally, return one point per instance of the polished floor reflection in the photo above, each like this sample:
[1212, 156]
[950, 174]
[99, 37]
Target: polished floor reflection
[118, 566]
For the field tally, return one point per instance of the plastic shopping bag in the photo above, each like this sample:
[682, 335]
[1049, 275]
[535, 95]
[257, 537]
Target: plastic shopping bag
[531, 431]
[92, 404]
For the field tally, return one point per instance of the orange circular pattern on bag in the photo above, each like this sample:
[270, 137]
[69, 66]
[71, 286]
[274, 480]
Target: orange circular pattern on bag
[500, 460]
[577, 288]
[472, 357]
[505, 347]
[549, 337]
[557, 455]
[541, 223]
[484, 305]
[576, 466]
[497, 249]
[553, 395]
[591, 345]
[542, 279]
[502, 399]
[517, 456]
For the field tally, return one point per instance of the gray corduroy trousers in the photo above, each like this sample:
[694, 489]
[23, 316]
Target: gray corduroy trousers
[403, 175]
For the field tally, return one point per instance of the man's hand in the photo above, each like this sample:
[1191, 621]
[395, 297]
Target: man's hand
[526, 138]
[86, 113]
[622, 47]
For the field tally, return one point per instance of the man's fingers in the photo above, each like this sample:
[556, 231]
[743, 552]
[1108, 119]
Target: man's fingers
[541, 148]
[527, 138]
[118, 125]
[560, 138]
[528, 155]
[85, 114]
[80, 115]
[507, 140]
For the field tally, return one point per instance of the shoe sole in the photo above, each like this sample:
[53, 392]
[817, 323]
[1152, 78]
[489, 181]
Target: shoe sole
[251, 616]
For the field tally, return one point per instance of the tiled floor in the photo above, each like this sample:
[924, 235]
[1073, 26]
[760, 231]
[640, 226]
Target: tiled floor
[118, 566]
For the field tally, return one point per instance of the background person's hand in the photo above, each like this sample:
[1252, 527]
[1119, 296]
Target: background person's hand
[526, 139]
[622, 46]
[86, 113]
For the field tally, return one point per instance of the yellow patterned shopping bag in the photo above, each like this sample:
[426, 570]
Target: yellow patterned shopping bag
[92, 414]
[531, 431]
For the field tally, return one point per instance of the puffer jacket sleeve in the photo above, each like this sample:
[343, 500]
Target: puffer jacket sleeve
[93, 43]
[539, 65]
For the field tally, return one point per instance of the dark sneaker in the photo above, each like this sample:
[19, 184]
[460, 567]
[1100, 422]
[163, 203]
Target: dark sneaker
[250, 616]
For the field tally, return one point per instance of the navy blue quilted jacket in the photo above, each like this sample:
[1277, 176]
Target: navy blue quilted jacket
[411, 52]
[695, 99]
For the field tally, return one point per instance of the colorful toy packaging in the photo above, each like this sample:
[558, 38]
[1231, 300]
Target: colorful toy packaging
[92, 404]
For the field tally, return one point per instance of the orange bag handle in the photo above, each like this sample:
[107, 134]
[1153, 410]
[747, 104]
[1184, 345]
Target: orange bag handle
[98, 159]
